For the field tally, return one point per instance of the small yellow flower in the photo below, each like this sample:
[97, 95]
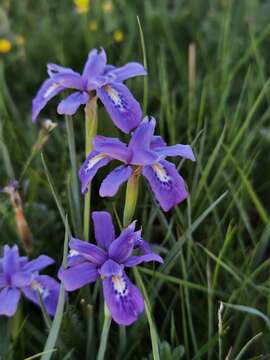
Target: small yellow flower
[92, 25]
[118, 36]
[82, 6]
[107, 6]
[5, 46]
[20, 40]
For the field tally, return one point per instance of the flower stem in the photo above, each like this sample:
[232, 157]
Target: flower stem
[74, 175]
[90, 133]
[131, 198]
[105, 333]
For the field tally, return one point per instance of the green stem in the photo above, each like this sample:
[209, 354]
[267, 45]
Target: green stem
[90, 133]
[131, 198]
[74, 174]
[105, 333]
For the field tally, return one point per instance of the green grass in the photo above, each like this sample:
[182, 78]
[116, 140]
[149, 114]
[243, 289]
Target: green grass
[215, 245]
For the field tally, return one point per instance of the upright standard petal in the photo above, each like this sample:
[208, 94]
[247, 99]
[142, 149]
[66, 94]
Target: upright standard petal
[103, 228]
[9, 299]
[127, 71]
[157, 141]
[78, 276]
[114, 180]
[89, 251]
[38, 264]
[47, 91]
[4, 280]
[122, 247]
[74, 258]
[11, 263]
[48, 288]
[176, 150]
[124, 300]
[95, 64]
[122, 107]
[70, 104]
[111, 268]
[89, 168]
[113, 147]
[136, 260]
[167, 185]
[69, 81]
[140, 143]
[54, 69]
[21, 279]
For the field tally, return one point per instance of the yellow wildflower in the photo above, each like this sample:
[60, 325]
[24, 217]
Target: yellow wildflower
[107, 6]
[92, 25]
[82, 6]
[118, 36]
[5, 45]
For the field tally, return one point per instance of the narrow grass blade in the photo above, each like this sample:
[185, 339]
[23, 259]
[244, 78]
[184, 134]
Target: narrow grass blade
[251, 311]
[56, 324]
[104, 334]
[54, 193]
[145, 80]
[36, 356]
[75, 180]
[248, 344]
[153, 332]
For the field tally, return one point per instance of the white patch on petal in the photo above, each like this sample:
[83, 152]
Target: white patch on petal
[53, 87]
[119, 285]
[115, 97]
[93, 161]
[44, 292]
[72, 253]
[161, 173]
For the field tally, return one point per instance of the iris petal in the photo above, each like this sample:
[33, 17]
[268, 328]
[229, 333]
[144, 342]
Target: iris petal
[127, 71]
[89, 251]
[103, 228]
[48, 289]
[176, 150]
[9, 299]
[89, 168]
[95, 64]
[11, 260]
[113, 147]
[136, 260]
[124, 300]
[114, 180]
[167, 185]
[38, 264]
[123, 108]
[78, 276]
[140, 143]
[122, 247]
[47, 91]
[70, 104]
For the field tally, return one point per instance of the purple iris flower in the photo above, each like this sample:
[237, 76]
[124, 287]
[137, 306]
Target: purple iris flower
[145, 154]
[87, 262]
[105, 80]
[18, 275]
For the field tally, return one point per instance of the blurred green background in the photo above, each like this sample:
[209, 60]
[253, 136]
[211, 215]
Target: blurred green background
[208, 85]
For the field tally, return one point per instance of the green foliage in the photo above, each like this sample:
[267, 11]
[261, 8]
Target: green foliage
[216, 245]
